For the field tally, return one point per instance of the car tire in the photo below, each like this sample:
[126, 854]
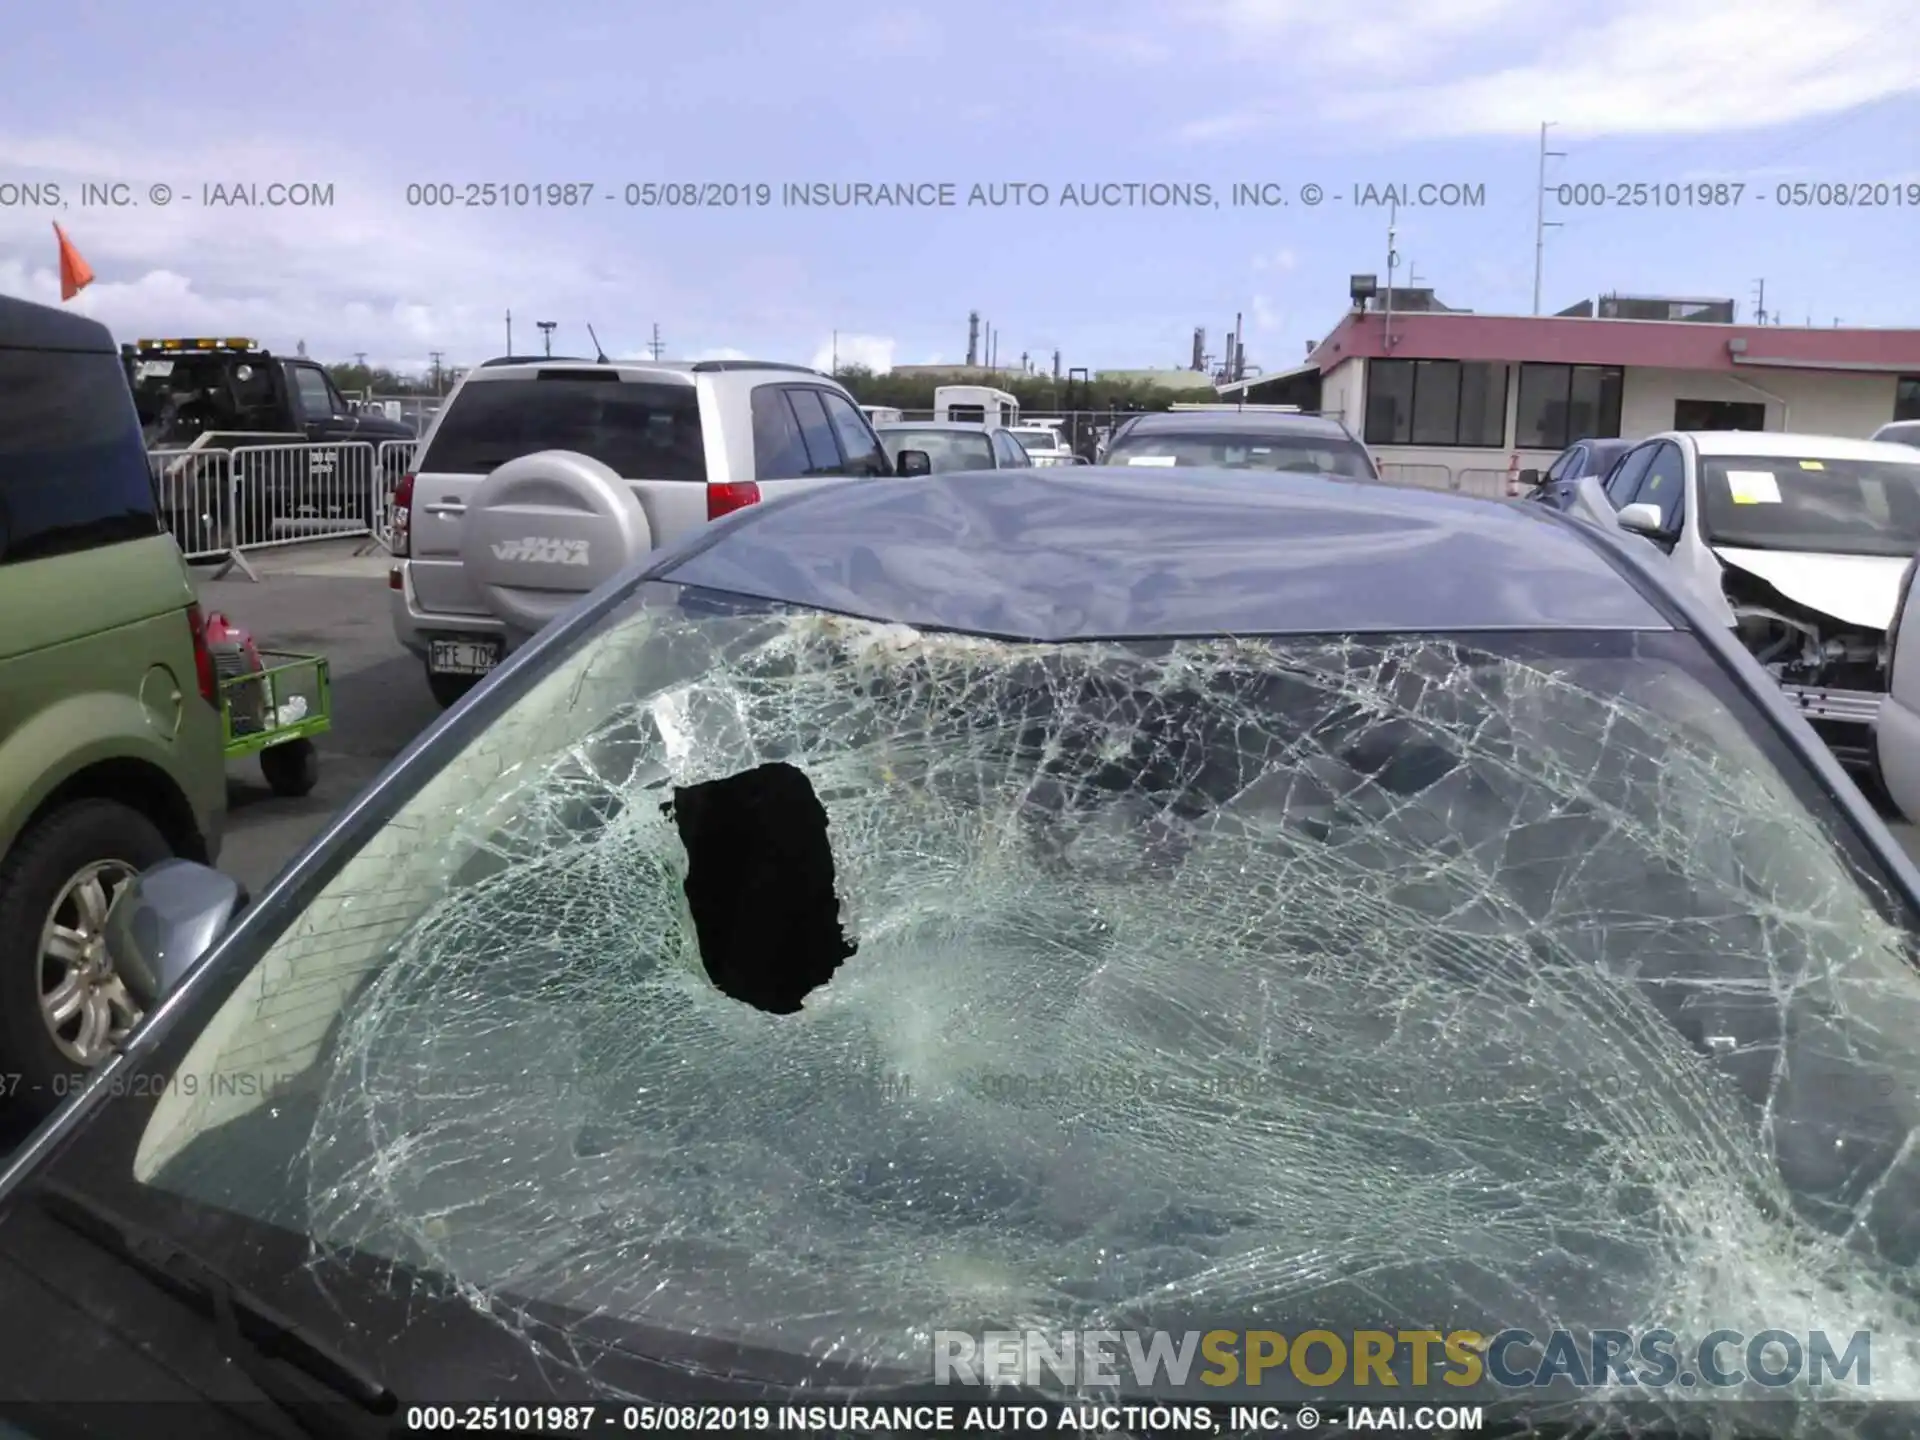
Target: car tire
[44, 877]
[291, 768]
[450, 690]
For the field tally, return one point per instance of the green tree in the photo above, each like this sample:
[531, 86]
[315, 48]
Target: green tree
[382, 381]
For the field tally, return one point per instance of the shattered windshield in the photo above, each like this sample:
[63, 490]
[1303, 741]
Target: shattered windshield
[1378, 979]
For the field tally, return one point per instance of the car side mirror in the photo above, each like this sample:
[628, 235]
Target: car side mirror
[162, 924]
[913, 462]
[1529, 477]
[1644, 519]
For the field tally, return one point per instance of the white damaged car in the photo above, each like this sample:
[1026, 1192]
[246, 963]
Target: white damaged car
[1798, 541]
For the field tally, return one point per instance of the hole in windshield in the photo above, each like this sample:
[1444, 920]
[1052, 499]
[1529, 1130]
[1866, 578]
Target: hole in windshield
[760, 885]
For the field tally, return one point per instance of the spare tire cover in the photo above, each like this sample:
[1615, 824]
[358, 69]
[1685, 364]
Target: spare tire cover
[543, 530]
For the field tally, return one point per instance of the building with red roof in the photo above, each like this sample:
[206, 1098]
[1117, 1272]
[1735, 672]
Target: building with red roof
[1459, 400]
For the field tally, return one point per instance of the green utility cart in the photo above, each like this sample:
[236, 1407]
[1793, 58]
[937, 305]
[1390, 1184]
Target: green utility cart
[274, 712]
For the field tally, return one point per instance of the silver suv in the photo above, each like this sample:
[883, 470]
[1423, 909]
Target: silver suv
[539, 479]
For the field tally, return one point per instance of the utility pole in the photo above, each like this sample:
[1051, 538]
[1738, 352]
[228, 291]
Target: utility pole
[1540, 221]
[435, 356]
[360, 359]
[836, 354]
[546, 335]
[1760, 302]
[1393, 261]
[509, 332]
[654, 347]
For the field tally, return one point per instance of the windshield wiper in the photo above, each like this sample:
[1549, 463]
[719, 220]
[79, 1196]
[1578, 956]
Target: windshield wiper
[273, 1349]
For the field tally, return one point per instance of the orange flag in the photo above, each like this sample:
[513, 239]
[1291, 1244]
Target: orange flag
[75, 273]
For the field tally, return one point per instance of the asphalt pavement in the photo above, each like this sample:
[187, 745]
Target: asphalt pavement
[320, 598]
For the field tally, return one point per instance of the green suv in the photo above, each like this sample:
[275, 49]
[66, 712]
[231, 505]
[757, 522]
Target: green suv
[110, 736]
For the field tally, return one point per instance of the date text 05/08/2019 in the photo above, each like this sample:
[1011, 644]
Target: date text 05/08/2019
[981, 1418]
[249, 1084]
[1727, 194]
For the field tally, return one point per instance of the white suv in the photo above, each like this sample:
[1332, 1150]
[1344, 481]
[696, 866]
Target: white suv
[539, 479]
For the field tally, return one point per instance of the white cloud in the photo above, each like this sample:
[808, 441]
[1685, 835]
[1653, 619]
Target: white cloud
[365, 273]
[1075, 44]
[873, 351]
[1266, 315]
[1280, 260]
[723, 353]
[1634, 67]
[902, 34]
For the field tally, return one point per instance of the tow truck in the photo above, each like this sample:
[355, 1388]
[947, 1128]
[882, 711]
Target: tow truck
[203, 394]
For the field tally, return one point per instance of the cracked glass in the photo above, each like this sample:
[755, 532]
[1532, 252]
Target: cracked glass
[1391, 980]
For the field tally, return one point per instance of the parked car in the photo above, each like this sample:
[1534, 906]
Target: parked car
[899, 875]
[111, 745]
[1242, 440]
[1555, 485]
[1796, 542]
[1896, 729]
[957, 445]
[1045, 444]
[539, 479]
[1900, 432]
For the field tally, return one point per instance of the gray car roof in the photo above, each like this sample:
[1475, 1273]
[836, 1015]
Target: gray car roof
[42, 327]
[1107, 552]
[978, 427]
[1237, 422]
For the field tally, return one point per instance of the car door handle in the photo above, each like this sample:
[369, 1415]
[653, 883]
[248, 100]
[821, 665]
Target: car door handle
[450, 507]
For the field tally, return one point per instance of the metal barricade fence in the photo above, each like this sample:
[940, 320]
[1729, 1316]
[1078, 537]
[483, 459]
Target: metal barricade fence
[1489, 483]
[1486, 482]
[392, 459]
[287, 493]
[193, 491]
[1426, 477]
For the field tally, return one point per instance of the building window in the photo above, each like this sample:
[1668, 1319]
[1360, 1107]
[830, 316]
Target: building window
[1906, 398]
[1719, 415]
[1560, 404]
[1436, 402]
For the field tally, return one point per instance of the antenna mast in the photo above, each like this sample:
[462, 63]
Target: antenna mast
[1393, 261]
[1540, 222]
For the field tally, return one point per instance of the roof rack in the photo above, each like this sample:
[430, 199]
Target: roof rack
[535, 360]
[710, 367]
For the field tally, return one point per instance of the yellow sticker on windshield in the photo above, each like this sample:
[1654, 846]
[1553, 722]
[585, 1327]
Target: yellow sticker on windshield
[1811, 465]
[1753, 487]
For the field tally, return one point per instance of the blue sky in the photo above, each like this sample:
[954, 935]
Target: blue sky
[372, 97]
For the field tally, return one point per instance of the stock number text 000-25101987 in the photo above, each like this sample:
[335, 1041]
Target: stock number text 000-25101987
[578, 194]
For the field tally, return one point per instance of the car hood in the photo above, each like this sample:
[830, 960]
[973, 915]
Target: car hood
[1855, 589]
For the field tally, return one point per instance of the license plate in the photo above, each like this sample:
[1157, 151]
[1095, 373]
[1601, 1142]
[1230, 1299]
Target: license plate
[463, 657]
